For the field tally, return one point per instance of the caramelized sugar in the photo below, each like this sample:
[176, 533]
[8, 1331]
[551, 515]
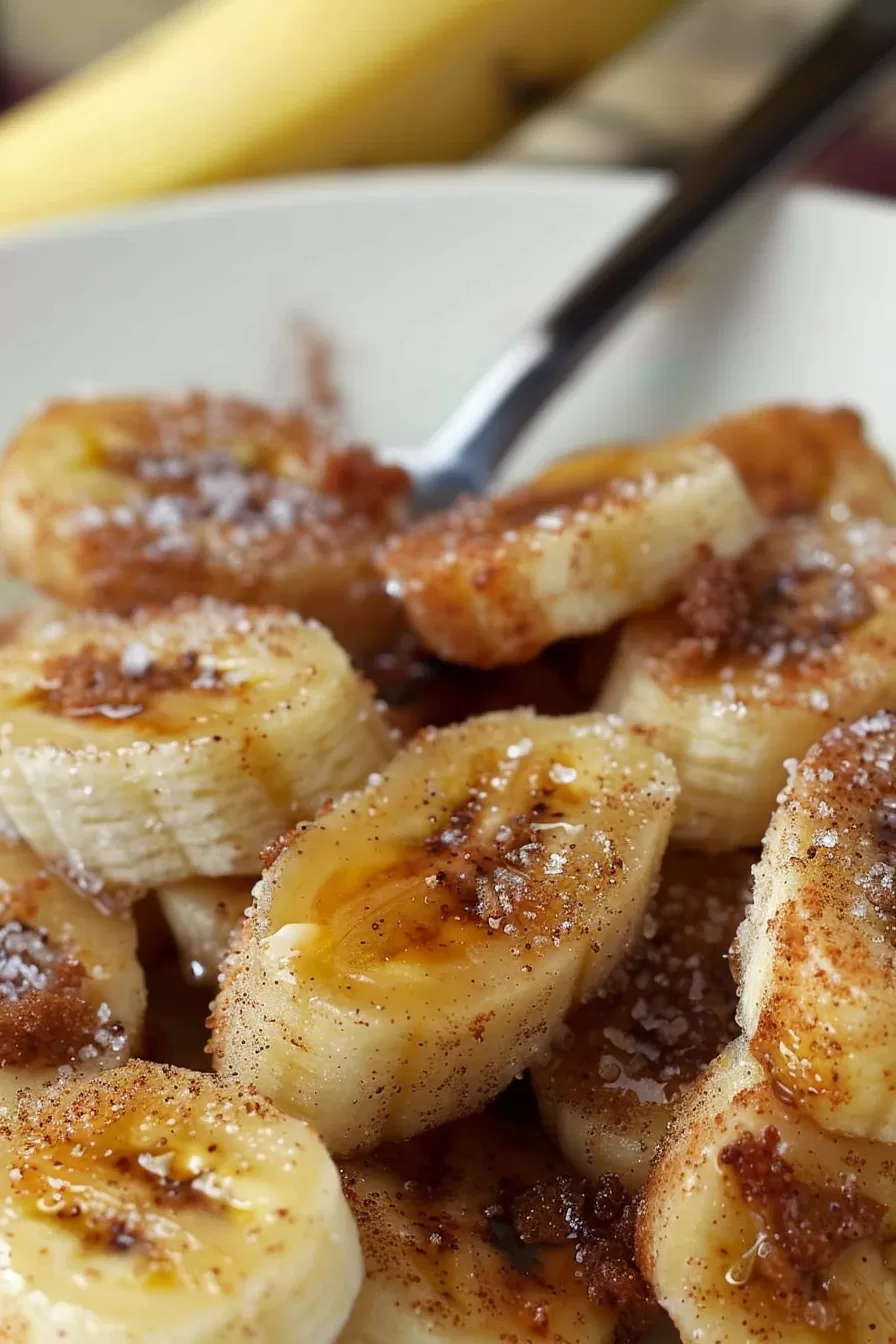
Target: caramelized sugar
[93, 684]
[485, 869]
[483, 1222]
[232, 462]
[47, 1017]
[109, 1169]
[804, 1228]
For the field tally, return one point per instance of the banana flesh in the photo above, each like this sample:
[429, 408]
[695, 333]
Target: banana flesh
[72, 994]
[817, 958]
[153, 1204]
[118, 503]
[203, 916]
[758, 661]
[417, 945]
[478, 1234]
[621, 1063]
[756, 1225]
[798, 460]
[177, 742]
[494, 581]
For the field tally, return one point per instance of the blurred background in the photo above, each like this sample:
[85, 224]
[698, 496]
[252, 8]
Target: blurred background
[110, 100]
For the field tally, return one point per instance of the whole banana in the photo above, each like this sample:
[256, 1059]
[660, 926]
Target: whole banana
[233, 88]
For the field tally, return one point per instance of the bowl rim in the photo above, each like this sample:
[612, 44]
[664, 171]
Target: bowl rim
[391, 184]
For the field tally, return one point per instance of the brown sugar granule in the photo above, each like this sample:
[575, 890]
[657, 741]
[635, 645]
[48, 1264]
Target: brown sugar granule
[365, 483]
[599, 1219]
[90, 682]
[807, 606]
[805, 1228]
[44, 1017]
[770, 602]
[716, 602]
[272, 851]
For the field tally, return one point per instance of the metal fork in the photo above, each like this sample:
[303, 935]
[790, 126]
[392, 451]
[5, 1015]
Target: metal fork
[467, 449]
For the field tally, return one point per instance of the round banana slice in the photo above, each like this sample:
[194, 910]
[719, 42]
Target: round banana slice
[494, 581]
[203, 915]
[417, 945]
[758, 661]
[758, 1226]
[479, 1233]
[798, 460]
[72, 994]
[620, 1064]
[817, 953]
[179, 741]
[118, 503]
[152, 1204]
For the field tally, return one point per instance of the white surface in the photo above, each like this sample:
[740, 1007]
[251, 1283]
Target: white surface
[421, 278]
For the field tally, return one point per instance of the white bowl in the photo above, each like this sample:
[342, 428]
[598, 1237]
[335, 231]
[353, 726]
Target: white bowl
[419, 279]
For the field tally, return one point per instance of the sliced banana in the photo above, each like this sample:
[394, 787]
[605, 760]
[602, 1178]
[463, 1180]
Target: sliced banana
[72, 994]
[479, 1233]
[177, 742]
[758, 661]
[154, 1204]
[796, 459]
[203, 915]
[417, 945]
[122, 502]
[818, 950]
[758, 1227]
[494, 581]
[621, 1062]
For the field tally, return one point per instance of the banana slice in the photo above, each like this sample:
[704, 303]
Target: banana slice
[816, 954]
[494, 581]
[757, 1226]
[118, 503]
[154, 1204]
[620, 1064]
[759, 660]
[179, 741]
[203, 915]
[415, 947]
[479, 1233]
[795, 459]
[72, 994]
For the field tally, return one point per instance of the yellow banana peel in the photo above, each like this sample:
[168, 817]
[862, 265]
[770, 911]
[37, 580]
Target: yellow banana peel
[226, 89]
